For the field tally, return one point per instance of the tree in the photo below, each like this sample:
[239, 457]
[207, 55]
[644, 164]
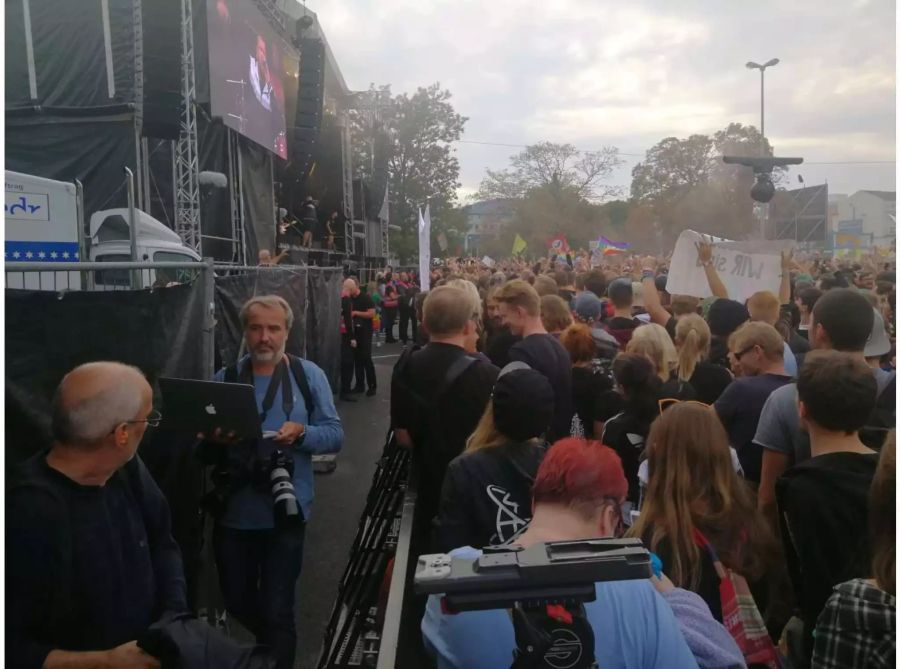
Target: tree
[412, 135]
[558, 168]
[687, 185]
[672, 167]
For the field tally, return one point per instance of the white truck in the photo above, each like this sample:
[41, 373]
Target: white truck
[43, 220]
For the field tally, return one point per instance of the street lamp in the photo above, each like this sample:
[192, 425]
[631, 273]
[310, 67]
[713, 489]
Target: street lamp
[763, 209]
[762, 95]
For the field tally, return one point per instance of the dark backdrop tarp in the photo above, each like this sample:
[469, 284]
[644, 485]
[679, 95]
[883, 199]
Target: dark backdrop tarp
[94, 150]
[215, 212]
[259, 198]
[47, 335]
[315, 297]
[69, 53]
[15, 66]
[233, 291]
[157, 331]
[323, 313]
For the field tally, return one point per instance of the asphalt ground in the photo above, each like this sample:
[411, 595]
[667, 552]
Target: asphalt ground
[339, 500]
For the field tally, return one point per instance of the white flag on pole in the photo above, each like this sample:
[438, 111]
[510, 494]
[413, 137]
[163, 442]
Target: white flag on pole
[425, 248]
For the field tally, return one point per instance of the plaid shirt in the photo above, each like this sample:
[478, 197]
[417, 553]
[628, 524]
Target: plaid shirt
[857, 628]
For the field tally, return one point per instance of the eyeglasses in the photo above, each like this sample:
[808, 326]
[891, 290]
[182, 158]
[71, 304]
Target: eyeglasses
[153, 420]
[741, 354]
[666, 402]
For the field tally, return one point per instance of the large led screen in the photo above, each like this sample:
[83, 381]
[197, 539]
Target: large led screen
[247, 71]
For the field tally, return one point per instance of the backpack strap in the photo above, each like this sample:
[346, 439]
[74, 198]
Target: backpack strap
[455, 370]
[303, 384]
[231, 373]
[704, 544]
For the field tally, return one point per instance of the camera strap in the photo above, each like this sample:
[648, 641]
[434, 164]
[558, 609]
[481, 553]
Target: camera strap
[279, 377]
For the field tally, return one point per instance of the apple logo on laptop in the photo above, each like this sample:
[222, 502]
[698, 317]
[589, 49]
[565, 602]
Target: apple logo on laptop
[211, 409]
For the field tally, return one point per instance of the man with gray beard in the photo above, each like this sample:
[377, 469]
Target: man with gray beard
[258, 559]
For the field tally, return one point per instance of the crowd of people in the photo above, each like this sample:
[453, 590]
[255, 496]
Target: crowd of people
[369, 314]
[747, 443]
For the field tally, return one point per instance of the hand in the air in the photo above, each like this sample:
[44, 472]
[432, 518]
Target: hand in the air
[704, 251]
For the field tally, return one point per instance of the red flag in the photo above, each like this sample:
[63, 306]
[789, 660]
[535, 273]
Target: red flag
[559, 245]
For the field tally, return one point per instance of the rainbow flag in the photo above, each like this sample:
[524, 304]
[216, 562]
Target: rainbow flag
[609, 247]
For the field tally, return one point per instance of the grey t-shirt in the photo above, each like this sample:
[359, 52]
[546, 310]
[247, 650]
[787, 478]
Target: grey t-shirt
[779, 423]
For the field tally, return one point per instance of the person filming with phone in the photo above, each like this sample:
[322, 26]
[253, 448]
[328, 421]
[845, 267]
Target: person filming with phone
[263, 490]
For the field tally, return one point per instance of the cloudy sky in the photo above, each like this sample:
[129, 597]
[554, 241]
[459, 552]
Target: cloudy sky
[627, 74]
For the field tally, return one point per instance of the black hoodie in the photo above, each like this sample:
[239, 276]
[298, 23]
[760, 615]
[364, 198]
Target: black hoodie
[486, 497]
[823, 508]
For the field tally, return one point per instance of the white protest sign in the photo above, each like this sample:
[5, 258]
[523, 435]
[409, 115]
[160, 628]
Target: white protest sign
[487, 261]
[744, 267]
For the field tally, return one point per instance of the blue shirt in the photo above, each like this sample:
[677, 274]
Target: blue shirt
[790, 362]
[634, 628]
[250, 508]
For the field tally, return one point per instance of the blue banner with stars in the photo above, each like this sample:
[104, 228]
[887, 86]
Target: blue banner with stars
[41, 252]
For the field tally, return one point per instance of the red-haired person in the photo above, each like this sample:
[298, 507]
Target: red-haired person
[641, 624]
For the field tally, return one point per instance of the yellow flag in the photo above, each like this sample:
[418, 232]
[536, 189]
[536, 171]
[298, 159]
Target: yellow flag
[518, 245]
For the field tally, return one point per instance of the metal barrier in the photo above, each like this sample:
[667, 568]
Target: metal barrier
[390, 631]
[97, 276]
[109, 276]
[354, 636]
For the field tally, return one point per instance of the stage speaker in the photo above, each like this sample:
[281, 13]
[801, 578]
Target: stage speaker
[162, 68]
[311, 91]
[310, 100]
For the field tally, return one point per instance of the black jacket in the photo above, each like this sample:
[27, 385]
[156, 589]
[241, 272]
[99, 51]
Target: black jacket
[91, 566]
[626, 433]
[486, 496]
[823, 509]
[184, 641]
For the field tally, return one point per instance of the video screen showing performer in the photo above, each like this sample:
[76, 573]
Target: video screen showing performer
[246, 63]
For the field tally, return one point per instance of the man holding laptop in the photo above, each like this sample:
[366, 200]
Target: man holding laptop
[259, 547]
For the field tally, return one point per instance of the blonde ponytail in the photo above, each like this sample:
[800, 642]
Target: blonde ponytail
[692, 338]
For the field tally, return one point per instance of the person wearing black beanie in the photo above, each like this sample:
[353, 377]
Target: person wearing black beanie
[724, 317]
[486, 496]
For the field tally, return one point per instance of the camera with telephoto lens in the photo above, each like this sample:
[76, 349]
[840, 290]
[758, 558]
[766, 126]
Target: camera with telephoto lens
[285, 506]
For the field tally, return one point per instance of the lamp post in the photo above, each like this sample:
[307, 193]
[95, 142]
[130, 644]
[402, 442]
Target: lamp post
[762, 95]
[763, 209]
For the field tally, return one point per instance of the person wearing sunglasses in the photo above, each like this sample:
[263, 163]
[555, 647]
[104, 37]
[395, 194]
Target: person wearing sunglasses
[756, 353]
[89, 540]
